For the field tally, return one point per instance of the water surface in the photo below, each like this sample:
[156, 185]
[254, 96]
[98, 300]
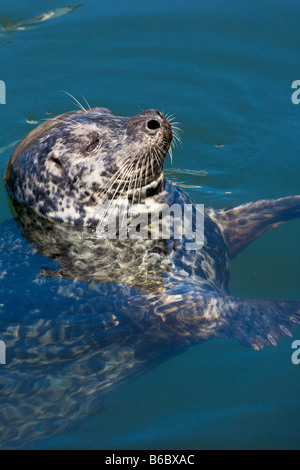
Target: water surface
[225, 70]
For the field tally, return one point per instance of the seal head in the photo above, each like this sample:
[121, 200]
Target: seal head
[68, 165]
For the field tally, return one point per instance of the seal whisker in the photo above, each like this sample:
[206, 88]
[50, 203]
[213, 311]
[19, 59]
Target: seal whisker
[160, 152]
[86, 101]
[125, 201]
[141, 177]
[113, 197]
[172, 121]
[176, 138]
[157, 152]
[135, 181]
[115, 177]
[76, 101]
[151, 161]
[170, 116]
[104, 193]
[132, 175]
[112, 182]
[156, 158]
[176, 129]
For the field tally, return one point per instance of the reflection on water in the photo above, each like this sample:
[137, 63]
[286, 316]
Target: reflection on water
[173, 173]
[7, 27]
[9, 146]
[225, 70]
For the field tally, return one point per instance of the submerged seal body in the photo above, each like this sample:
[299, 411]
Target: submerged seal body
[92, 311]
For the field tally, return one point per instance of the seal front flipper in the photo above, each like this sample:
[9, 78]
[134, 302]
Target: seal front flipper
[258, 323]
[243, 224]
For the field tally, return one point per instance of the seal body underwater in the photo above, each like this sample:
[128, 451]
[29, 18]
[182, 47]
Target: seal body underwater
[93, 311]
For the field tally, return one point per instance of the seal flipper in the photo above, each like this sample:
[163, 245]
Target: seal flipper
[243, 224]
[258, 323]
[196, 317]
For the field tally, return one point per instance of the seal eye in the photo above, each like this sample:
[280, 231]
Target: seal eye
[93, 145]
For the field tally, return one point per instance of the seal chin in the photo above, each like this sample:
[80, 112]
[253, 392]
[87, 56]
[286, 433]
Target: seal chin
[148, 190]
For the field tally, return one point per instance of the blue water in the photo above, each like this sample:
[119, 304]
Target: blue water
[225, 69]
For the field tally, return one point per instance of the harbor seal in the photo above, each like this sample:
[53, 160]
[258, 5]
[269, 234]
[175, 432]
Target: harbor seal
[92, 312]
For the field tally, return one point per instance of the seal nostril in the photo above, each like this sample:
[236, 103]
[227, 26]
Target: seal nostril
[153, 124]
